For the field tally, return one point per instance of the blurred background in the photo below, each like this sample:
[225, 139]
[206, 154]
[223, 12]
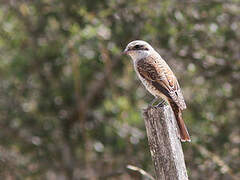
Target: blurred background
[70, 102]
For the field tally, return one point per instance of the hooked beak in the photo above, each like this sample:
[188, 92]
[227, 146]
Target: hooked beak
[125, 51]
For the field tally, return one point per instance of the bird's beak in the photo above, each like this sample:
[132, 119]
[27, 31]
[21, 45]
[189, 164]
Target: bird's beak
[125, 51]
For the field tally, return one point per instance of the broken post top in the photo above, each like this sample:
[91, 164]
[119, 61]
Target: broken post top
[164, 143]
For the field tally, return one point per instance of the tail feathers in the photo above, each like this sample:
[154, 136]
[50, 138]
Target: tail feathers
[182, 128]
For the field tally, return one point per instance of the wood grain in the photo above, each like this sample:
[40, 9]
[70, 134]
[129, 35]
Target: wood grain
[164, 143]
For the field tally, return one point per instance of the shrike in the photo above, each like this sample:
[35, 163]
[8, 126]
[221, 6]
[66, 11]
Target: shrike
[158, 79]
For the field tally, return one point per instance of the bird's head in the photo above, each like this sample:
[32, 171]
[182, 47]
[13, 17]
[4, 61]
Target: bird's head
[138, 49]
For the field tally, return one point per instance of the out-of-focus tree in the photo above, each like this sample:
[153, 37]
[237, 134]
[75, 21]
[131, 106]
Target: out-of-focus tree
[70, 103]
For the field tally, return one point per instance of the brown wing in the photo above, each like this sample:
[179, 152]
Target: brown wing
[162, 78]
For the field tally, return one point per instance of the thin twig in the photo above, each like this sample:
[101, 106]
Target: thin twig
[141, 171]
[216, 159]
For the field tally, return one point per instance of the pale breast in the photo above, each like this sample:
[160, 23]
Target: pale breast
[155, 92]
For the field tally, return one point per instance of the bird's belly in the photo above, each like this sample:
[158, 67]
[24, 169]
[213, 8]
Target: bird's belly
[154, 91]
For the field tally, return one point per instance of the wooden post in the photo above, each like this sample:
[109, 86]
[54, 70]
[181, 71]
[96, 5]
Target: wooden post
[165, 146]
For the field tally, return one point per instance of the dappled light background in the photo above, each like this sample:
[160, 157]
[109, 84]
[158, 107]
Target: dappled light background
[70, 102]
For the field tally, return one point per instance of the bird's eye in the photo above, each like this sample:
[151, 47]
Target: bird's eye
[140, 47]
[137, 47]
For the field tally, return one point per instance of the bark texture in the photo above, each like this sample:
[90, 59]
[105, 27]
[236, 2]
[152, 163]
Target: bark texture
[164, 143]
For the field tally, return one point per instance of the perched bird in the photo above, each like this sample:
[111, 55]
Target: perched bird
[158, 79]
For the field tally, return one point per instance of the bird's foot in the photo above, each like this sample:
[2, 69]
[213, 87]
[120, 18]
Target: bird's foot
[160, 104]
[154, 104]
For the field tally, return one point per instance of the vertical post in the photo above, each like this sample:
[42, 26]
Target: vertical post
[164, 143]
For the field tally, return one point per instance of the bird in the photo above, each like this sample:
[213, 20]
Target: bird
[158, 79]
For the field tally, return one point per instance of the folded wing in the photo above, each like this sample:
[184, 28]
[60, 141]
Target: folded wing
[162, 78]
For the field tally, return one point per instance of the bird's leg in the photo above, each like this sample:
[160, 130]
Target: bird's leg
[160, 104]
[153, 101]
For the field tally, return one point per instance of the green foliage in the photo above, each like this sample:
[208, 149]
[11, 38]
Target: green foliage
[70, 103]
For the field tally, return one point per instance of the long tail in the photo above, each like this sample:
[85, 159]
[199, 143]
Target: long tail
[182, 128]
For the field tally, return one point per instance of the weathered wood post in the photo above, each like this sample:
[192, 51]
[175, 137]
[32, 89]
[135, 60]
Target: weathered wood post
[165, 146]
